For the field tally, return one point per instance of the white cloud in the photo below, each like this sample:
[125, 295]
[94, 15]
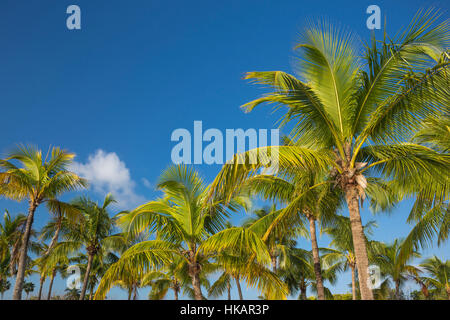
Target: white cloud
[107, 173]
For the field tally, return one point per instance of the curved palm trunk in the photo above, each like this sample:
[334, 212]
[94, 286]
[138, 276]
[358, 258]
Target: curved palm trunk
[55, 237]
[359, 241]
[353, 282]
[18, 286]
[86, 276]
[316, 258]
[228, 289]
[41, 283]
[49, 296]
[239, 288]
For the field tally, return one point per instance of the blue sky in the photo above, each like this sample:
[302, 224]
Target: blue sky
[137, 70]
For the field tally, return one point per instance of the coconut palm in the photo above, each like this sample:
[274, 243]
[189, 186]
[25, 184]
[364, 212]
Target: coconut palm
[93, 232]
[354, 113]
[28, 287]
[439, 274]
[27, 175]
[101, 262]
[10, 241]
[175, 276]
[72, 294]
[317, 204]
[392, 265]
[431, 211]
[4, 286]
[169, 278]
[299, 274]
[185, 221]
[342, 242]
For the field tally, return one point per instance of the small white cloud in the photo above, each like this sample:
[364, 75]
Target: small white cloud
[107, 173]
[146, 183]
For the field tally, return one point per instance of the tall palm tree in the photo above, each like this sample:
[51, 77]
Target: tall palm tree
[342, 242]
[439, 274]
[93, 232]
[354, 113]
[387, 257]
[185, 221]
[27, 175]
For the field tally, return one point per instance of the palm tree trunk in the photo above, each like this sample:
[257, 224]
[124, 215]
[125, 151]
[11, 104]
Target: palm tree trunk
[18, 286]
[238, 284]
[130, 291]
[55, 236]
[175, 293]
[353, 282]
[316, 258]
[86, 276]
[273, 258]
[49, 296]
[303, 290]
[359, 241]
[397, 290]
[41, 283]
[196, 285]
[194, 272]
[135, 291]
[229, 289]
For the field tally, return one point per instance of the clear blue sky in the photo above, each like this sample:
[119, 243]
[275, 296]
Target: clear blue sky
[137, 70]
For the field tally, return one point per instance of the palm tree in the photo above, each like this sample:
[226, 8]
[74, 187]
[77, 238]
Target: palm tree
[72, 294]
[354, 113]
[391, 264]
[175, 276]
[38, 180]
[431, 211]
[10, 240]
[341, 235]
[299, 273]
[28, 287]
[185, 221]
[101, 262]
[439, 274]
[4, 286]
[315, 204]
[93, 232]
